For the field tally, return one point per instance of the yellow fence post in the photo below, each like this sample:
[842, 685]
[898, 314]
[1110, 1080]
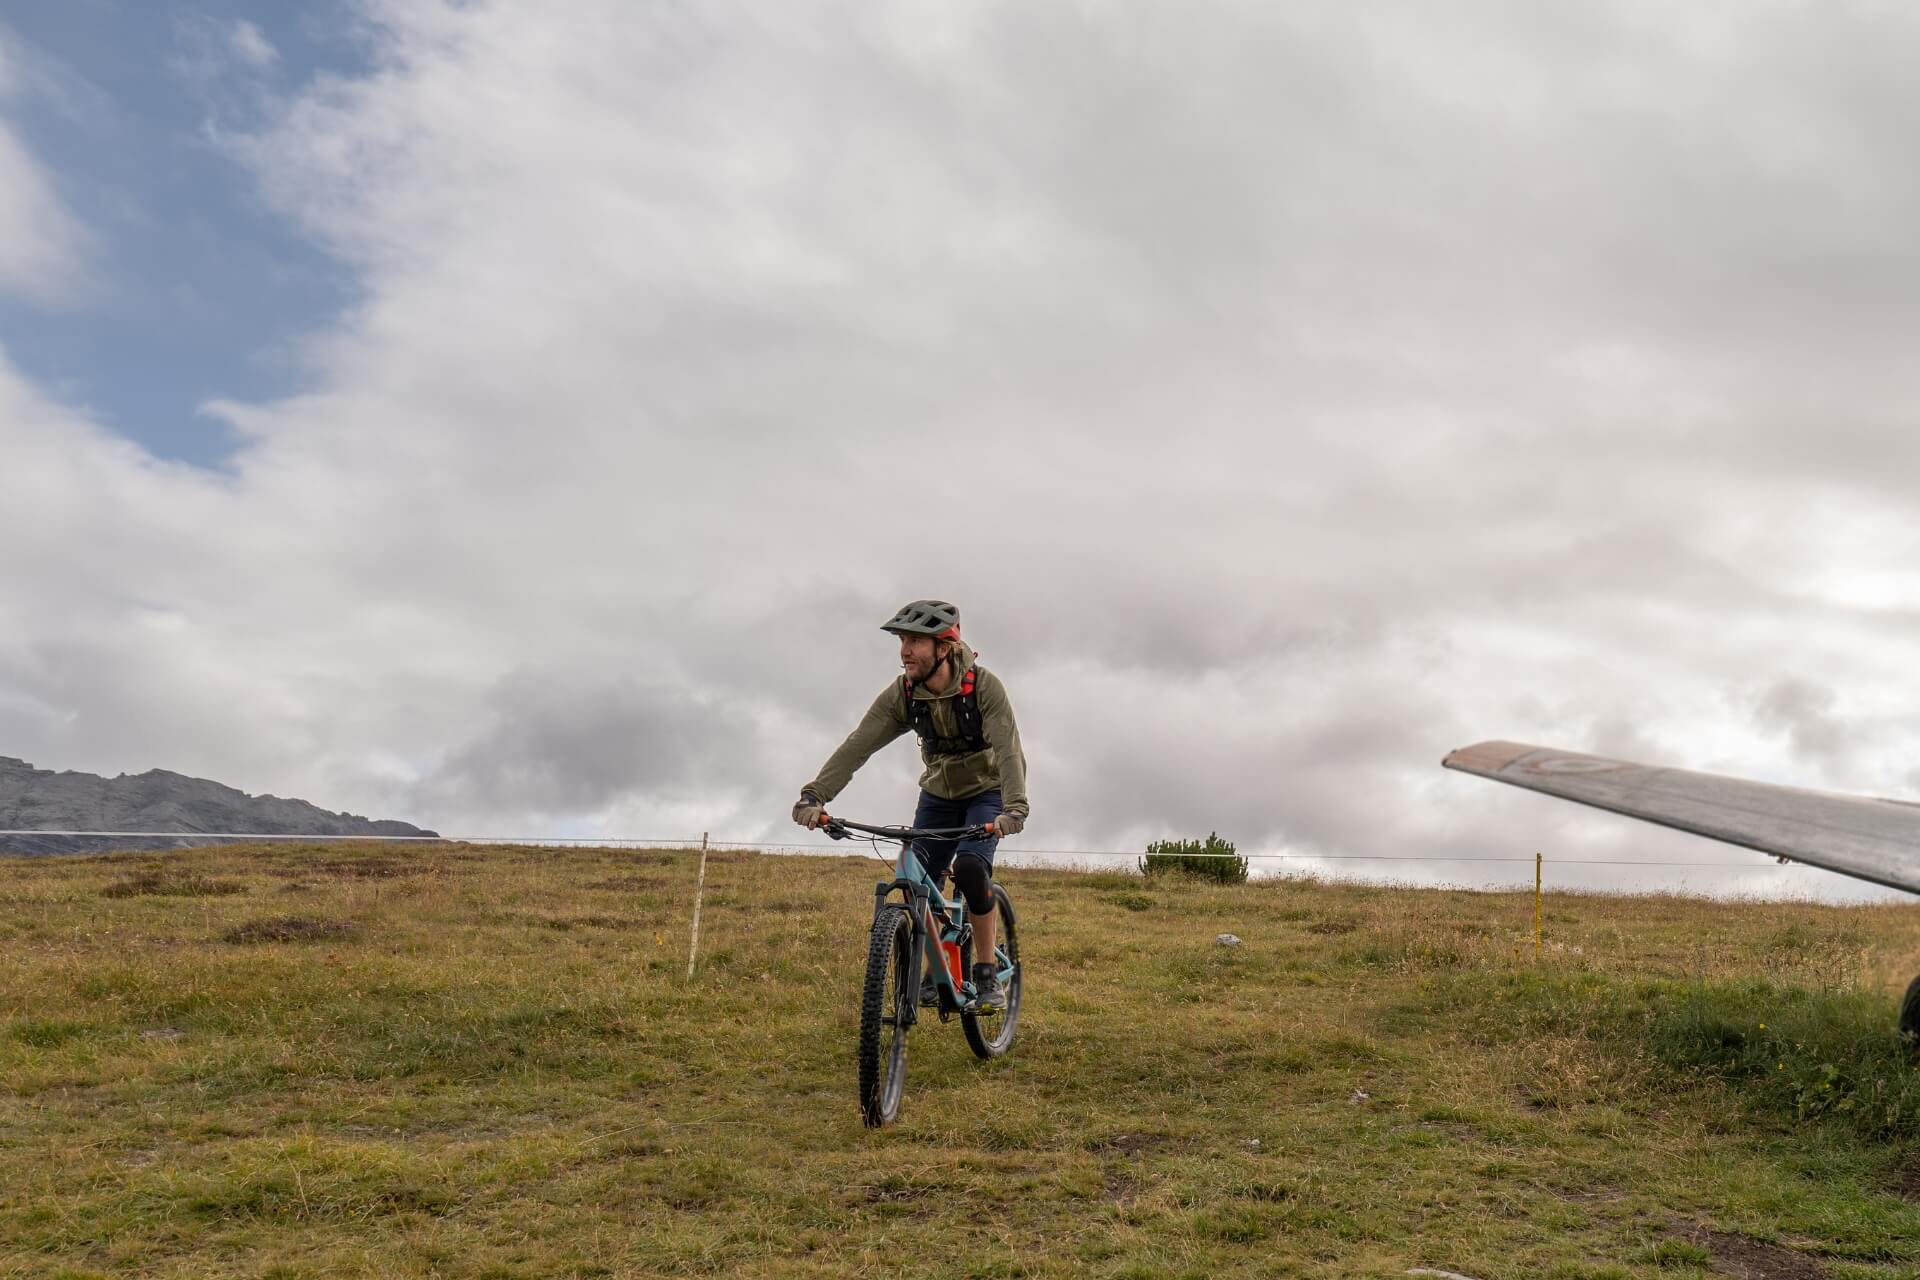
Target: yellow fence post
[1536, 906]
[699, 889]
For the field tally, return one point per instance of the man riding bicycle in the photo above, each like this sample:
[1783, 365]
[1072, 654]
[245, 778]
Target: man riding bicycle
[976, 773]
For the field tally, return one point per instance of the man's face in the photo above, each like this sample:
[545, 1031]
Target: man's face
[917, 656]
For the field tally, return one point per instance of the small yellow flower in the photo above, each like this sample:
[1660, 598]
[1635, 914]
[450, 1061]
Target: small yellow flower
[1763, 1026]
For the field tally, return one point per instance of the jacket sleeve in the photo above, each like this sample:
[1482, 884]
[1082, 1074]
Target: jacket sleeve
[1003, 735]
[885, 720]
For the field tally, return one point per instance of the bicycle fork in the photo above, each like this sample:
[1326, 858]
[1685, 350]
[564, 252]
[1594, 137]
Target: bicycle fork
[920, 914]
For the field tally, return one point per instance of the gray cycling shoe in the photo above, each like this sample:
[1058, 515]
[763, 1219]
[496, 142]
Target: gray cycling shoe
[989, 995]
[929, 992]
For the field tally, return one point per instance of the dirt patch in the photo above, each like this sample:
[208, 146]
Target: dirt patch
[1332, 927]
[647, 857]
[291, 929]
[1128, 1144]
[348, 868]
[1745, 1258]
[628, 884]
[164, 884]
[1119, 1186]
[896, 1194]
[1535, 1098]
[1906, 1181]
[564, 923]
[365, 868]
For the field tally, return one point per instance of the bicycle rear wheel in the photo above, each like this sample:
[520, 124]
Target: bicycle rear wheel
[991, 1035]
[886, 1004]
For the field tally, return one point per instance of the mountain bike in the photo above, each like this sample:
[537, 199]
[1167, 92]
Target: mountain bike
[923, 933]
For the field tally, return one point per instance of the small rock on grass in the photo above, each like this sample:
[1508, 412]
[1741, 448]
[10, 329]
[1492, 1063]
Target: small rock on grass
[1227, 940]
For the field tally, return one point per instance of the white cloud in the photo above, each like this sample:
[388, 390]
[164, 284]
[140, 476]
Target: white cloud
[250, 45]
[1288, 395]
[42, 245]
[228, 66]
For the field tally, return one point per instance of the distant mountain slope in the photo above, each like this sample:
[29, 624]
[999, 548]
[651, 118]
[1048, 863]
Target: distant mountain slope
[42, 800]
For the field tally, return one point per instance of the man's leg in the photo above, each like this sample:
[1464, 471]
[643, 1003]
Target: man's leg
[984, 927]
[935, 857]
[973, 874]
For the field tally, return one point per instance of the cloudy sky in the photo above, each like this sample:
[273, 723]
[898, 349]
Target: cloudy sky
[519, 418]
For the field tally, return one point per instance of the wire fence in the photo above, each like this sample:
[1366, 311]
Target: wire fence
[1763, 862]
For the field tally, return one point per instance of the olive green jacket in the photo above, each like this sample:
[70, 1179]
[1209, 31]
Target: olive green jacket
[1003, 764]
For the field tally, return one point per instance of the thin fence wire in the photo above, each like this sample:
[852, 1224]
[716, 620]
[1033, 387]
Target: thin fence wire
[693, 844]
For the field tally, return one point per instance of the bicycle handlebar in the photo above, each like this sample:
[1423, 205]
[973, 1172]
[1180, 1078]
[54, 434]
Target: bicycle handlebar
[839, 827]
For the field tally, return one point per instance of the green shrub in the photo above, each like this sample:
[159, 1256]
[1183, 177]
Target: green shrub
[1209, 859]
[1795, 1054]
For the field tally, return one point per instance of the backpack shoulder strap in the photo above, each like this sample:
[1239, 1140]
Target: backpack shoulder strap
[966, 709]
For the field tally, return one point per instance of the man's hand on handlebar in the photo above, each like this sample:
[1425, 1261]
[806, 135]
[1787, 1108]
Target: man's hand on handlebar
[809, 812]
[1007, 824]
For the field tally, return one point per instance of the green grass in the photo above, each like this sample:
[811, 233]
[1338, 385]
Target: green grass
[464, 1062]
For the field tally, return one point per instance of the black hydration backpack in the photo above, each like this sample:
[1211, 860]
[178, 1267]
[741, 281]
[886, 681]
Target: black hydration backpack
[966, 710]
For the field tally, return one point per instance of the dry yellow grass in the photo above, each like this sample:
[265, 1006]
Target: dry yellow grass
[452, 1061]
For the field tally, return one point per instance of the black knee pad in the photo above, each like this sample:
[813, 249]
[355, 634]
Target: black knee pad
[974, 876]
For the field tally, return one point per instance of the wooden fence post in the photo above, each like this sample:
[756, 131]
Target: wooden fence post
[699, 891]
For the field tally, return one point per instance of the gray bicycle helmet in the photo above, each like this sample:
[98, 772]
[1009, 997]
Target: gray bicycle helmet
[934, 618]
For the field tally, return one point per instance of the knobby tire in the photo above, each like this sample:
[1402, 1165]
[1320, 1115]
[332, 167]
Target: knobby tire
[890, 993]
[992, 1035]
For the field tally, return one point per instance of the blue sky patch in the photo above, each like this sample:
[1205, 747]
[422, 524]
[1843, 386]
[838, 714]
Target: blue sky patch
[197, 290]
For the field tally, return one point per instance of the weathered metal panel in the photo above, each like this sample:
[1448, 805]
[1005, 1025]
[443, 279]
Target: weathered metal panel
[1877, 840]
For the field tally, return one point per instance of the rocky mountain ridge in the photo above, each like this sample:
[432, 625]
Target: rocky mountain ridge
[157, 800]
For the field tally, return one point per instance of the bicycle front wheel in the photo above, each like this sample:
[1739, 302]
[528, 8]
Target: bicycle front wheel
[886, 1004]
[990, 1035]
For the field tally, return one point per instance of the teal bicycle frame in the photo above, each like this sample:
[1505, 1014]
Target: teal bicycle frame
[935, 919]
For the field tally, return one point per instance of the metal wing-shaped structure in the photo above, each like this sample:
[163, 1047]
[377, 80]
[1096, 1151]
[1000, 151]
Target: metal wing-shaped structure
[1877, 840]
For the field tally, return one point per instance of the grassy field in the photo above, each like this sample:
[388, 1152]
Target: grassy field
[489, 1062]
